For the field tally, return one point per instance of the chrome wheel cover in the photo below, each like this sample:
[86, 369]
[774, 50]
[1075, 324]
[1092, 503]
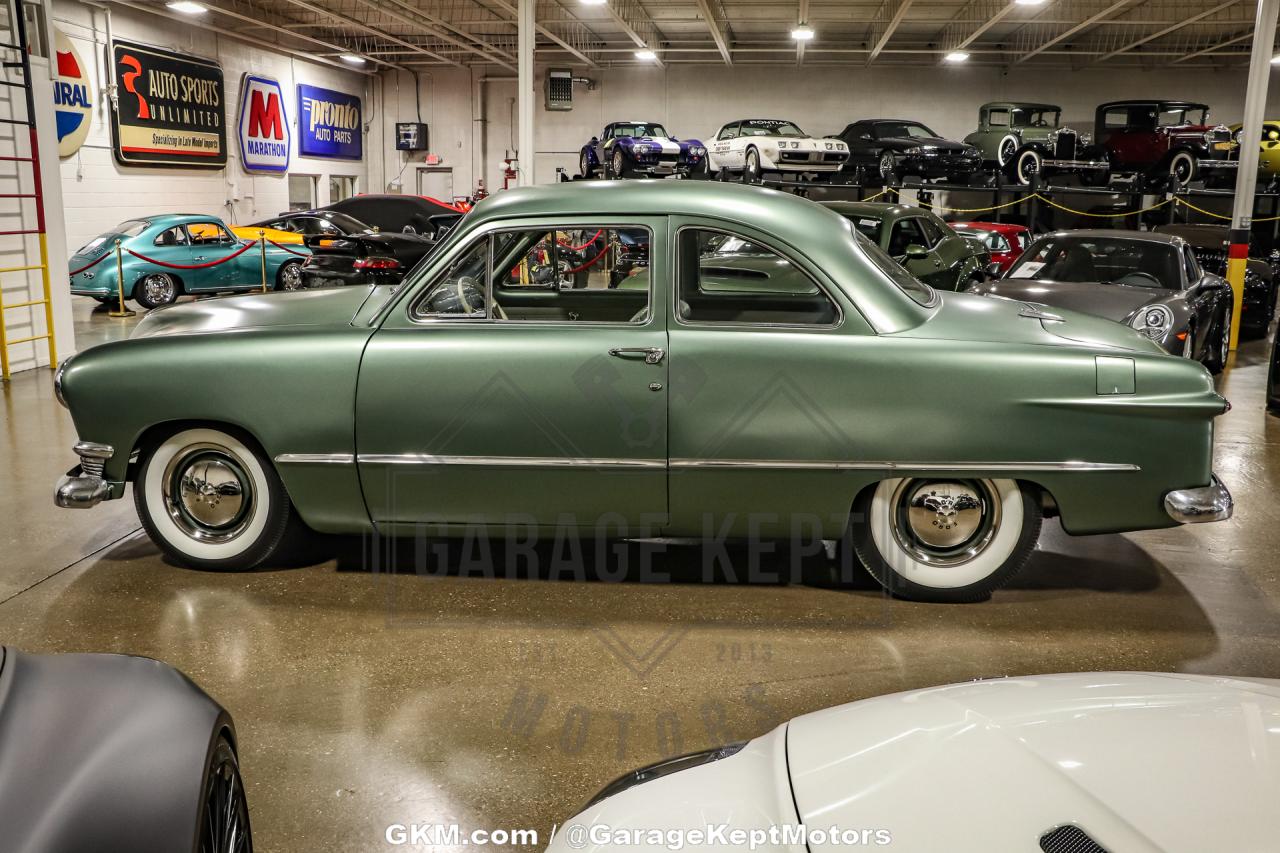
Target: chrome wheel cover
[619, 166]
[208, 493]
[1181, 168]
[944, 522]
[886, 165]
[159, 289]
[291, 276]
[1008, 148]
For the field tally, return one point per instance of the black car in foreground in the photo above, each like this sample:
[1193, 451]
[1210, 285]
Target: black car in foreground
[345, 250]
[887, 150]
[1150, 282]
[114, 753]
[1209, 243]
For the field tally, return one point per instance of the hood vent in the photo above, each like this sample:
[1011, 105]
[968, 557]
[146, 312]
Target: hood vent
[1069, 838]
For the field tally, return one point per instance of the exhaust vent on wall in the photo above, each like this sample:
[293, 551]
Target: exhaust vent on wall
[1069, 838]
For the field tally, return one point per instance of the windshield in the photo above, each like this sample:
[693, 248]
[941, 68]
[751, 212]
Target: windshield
[894, 271]
[344, 223]
[1105, 260]
[768, 127]
[1184, 115]
[867, 226]
[640, 128]
[1035, 118]
[903, 130]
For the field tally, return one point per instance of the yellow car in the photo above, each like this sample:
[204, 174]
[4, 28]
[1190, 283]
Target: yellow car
[275, 235]
[1269, 150]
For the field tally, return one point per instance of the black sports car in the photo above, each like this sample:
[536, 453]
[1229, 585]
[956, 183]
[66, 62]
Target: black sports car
[409, 214]
[886, 150]
[345, 250]
[115, 754]
[1150, 282]
[1209, 242]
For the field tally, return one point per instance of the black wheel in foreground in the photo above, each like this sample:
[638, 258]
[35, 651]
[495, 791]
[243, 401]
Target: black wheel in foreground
[224, 808]
[1218, 346]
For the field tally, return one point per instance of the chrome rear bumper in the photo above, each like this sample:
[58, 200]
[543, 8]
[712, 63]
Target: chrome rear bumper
[1206, 503]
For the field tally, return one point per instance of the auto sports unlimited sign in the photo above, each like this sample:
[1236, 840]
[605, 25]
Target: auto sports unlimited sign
[264, 127]
[72, 96]
[328, 124]
[171, 109]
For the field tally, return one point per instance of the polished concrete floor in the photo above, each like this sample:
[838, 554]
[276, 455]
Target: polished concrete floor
[365, 698]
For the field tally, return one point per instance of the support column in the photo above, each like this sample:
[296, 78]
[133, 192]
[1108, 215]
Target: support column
[525, 103]
[1255, 103]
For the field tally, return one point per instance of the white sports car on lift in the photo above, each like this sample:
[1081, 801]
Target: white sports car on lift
[753, 147]
[1084, 763]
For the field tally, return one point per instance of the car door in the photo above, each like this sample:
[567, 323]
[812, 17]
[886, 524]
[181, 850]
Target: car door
[860, 137]
[212, 247]
[763, 350]
[722, 148]
[173, 247]
[1206, 296]
[472, 412]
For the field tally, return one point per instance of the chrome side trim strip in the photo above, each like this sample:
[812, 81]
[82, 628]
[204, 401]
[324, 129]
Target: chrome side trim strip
[508, 461]
[316, 458]
[800, 465]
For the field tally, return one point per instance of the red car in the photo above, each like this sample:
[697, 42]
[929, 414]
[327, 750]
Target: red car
[1166, 138]
[1003, 241]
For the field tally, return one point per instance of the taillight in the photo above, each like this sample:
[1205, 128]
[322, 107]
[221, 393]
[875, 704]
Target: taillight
[376, 263]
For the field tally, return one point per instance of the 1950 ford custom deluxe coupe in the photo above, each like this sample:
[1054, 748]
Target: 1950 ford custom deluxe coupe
[769, 374]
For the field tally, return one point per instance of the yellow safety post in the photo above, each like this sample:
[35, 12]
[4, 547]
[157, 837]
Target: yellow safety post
[262, 256]
[121, 311]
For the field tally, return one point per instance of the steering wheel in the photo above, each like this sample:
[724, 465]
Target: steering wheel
[1144, 276]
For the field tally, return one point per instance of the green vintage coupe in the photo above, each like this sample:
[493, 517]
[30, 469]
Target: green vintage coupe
[930, 431]
[1024, 139]
[918, 240]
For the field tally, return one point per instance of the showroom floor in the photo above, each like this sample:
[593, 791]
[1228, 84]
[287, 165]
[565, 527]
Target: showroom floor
[368, 698]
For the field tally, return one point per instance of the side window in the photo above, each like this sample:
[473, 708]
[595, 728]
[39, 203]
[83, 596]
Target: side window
[460, 291]
[906, 232]
[1116, 118]
[933, 232]
[998, 118]
[1193, 268]
[729, 131]
[726, 278]
[174, 236]
[208, 233]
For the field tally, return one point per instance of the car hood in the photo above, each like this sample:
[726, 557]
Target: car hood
[1112, 301]
[336, 306]
[971, 317]
[901, 143]
[1136, 760]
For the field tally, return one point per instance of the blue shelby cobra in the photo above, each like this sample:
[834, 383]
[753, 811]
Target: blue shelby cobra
[641, 148]
[165, 256]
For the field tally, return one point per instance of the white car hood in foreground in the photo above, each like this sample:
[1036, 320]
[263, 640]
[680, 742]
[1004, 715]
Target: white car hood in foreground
[1141, 762]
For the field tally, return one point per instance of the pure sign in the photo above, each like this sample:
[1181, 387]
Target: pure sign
[171, 109]
[328, 123]
[264, 127]
[72, 97]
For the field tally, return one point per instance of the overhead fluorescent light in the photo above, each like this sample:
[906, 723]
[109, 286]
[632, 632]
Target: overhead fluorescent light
[804, 32]
[593, 2]
[646, 54]
[352, 59]
[1028, 2]
[186, 7]
[1275, 60]
[956, 56]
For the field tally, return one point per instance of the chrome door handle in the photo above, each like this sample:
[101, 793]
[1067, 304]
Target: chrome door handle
[652, 355]
[198, 258]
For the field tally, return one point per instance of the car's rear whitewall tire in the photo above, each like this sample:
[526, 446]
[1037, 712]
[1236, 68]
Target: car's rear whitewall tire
[1027, 164]
[945, 539]
[210, 501]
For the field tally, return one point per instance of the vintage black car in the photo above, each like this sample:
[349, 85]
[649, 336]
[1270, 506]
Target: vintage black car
[1150, 282]
[114, 753]
[345, 250]
[887, 150]
[1209, 242]
[410, 214]
[1163, 142]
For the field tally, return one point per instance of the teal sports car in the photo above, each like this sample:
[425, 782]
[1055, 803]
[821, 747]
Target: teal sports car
[777, 376]
[163, 257]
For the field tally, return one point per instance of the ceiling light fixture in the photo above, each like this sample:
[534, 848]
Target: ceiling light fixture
[804, 32]
[593, 2]
[186, 7]
[646, 54]
[352, 59]
[956, 56]
[1028, 2]
[1275, 60]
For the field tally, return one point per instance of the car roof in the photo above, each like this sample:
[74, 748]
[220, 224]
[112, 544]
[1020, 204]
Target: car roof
[1200, 235]
[1139, 236]
[1161, 101]
[998, 227]
[822, 236]
[1030, 105]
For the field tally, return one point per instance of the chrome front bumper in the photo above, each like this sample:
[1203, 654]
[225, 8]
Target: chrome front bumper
[1206, 503]
[83, 486]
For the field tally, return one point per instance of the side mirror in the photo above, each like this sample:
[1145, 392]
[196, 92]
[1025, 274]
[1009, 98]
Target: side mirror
[916, 252]
[993, 270]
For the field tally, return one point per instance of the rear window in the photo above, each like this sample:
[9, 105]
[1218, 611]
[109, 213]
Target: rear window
[895, 272]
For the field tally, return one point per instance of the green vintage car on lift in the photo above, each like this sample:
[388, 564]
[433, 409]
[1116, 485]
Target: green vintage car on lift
[919, 240]
[929, 431]
[1023, 139]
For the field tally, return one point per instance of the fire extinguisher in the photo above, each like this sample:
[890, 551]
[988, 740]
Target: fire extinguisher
[508, 173]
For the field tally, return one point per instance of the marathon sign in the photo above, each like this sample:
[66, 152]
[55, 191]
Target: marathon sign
[264, 126]
[329, 124]
[171, 108]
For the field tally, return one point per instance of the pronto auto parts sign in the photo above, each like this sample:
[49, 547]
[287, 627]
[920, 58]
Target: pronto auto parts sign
[171, 110]
[72, 96]
[264, 127]
[328, 124]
